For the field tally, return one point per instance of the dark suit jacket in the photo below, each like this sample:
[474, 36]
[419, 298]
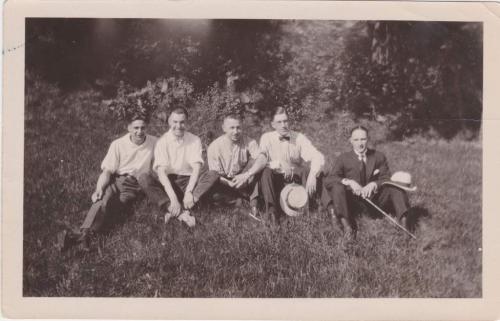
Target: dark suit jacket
[348, 166]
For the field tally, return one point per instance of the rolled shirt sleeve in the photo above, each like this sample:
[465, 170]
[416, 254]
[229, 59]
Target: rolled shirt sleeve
[309, 153]
[161, 158]
[194, 154]
[112, 159]
[213, 160]
[265, 146]
[253, 149]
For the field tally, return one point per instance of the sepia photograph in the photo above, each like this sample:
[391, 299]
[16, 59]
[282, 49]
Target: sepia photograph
[252, 158]
[277, 160]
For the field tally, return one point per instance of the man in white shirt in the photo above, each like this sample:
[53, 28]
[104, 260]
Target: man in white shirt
[117, 188]
[286, 156]
[229, 155]
[177, 165]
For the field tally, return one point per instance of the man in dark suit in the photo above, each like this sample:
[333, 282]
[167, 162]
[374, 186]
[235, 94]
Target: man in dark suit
[359, 174]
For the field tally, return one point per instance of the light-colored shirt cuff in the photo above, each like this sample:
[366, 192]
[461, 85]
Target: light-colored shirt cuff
[316, 170]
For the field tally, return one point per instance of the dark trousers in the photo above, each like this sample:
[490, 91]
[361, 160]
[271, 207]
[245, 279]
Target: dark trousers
[156, 192]
[389, 198]
[271, 184]
[210, 182]
[118, 197]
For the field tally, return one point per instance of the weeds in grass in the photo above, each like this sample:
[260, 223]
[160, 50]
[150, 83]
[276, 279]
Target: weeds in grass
[230, 255]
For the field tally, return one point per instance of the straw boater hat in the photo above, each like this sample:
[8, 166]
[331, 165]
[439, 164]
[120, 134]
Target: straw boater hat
[401, 180]
[293, 199]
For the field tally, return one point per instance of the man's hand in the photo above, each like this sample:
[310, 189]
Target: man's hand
[287, 171]
[240, 179]
[226, 182]
[369, 190]
[97, 195]
[311, 184]
[175, 207]
[356, 188]
[188, 200]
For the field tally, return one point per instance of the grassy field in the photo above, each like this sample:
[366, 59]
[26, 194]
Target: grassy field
[230, 255]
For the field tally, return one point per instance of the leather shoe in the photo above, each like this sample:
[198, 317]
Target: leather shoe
[254, 213]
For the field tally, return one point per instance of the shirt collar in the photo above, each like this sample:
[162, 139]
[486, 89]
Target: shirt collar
[129, 139]
[231, 143]
[361, 154]
[171, 137]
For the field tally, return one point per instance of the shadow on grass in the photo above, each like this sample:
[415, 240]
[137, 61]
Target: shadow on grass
[417, 214]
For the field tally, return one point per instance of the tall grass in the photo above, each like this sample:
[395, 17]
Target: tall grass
[229, 254]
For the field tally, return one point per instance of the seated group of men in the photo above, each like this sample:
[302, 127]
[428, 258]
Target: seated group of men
[170, 171]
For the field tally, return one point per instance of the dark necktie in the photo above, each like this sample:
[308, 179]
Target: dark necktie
[362, 173]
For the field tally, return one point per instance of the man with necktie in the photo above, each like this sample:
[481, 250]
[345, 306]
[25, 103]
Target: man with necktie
[289, 157]
[359, 174]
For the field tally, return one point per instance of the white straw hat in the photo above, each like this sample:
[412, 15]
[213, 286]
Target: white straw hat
[293, 199]
[401, 180]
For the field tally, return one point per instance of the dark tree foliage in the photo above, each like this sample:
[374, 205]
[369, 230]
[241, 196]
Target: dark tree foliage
[422, 75]
[410, 77]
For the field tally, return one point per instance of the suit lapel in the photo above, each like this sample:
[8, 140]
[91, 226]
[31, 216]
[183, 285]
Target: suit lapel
[370, 164]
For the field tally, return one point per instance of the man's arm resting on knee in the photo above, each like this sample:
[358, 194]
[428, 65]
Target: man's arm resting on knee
[193, 179]
[102, 183]
[257, 166]
[174, 202]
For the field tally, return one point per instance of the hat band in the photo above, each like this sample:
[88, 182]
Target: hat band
[405, 184]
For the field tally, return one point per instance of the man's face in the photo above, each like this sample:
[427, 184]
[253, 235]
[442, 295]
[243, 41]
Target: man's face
[177, 123]
[232, 129]
[280, 124]
[359, 139]
[137, 130]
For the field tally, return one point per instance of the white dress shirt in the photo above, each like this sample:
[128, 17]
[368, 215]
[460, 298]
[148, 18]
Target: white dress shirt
[177, 155]
[292, 152]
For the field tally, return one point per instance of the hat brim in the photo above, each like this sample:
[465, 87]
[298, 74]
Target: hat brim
[284, 206]
[396, 184]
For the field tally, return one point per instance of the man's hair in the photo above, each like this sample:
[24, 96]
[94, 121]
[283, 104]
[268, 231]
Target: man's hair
[233, 116]
[363, 128]
[180, 111]
[138, 116]
[280, 111]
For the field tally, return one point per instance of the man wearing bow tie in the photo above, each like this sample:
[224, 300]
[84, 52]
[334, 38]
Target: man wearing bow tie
[359, 174]
[286, 156]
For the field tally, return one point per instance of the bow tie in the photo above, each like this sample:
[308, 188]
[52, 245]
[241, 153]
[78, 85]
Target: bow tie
[284, 138]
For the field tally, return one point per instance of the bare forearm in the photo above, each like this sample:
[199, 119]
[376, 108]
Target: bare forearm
[194, 177]
[167, 186]
[258, 165]
[103, 180]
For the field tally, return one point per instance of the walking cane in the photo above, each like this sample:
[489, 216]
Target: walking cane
[390, 218]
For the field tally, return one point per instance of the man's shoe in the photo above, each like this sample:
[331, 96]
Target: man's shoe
[63, 241]
[187, 218]
[272, 217]
[349, 232]
[254, 213]
[168, 216]
[405, 222]
[84, 239]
